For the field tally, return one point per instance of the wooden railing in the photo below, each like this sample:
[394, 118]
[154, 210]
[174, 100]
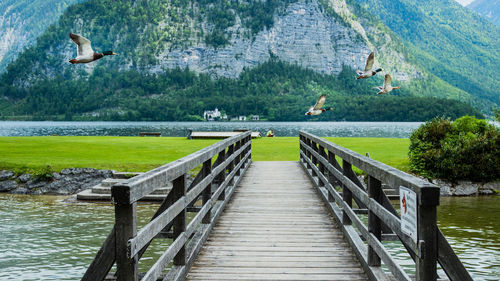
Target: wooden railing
[214, 185]
[339, 186]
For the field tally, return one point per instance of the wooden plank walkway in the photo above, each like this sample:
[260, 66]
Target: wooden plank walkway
[276, 228]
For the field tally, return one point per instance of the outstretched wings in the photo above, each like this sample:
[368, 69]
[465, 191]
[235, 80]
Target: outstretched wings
[84, 47]
[369, 62]
[320, 102]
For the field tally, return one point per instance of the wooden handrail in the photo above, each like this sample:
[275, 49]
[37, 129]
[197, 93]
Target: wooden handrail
[430, 248]
[126, 245]
[135, 188]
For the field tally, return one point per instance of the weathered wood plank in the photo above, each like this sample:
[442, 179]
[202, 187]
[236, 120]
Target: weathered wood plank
[137, 187]
[257, 227]
[381, 171]
[178, 273]
[125, 229]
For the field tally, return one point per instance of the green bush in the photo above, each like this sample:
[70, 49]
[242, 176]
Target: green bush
[467, 148]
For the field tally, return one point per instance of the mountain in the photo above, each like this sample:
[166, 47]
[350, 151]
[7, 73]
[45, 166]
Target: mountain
[448, 40]
[488, 8]
[22, 21]
[177, 58]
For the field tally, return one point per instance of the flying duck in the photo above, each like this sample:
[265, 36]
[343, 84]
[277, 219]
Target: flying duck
[85, 54]
[386, 88]
[368, 72]
[317, 108]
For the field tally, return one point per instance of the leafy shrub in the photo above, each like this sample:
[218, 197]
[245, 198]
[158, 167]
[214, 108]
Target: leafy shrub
[467, 148]
[45, 173]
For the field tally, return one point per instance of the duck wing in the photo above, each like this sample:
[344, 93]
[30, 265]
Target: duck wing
[84, 46]
[369, 62]
[320, 102]
[387, 81]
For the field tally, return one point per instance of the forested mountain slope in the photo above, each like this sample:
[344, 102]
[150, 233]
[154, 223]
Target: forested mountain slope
[450, 41]
[162, 41]
[22, 21]
[488, 8]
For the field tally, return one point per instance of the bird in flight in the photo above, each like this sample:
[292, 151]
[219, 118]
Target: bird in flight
[85, 54]
[317, 108]
[368, 72]
[386, 88]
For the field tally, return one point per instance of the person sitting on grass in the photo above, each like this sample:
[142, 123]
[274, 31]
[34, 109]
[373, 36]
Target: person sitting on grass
[270, 133]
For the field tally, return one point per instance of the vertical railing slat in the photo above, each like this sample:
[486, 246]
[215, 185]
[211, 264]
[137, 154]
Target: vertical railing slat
[426, 263]
[221, 176]
[346, 193]
[179, 190]
[207, 192]
[126, 228]
[374, 223]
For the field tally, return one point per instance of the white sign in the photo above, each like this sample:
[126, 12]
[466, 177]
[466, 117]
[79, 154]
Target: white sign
[408, 203]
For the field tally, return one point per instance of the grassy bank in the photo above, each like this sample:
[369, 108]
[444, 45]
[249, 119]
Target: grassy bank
[145, 153]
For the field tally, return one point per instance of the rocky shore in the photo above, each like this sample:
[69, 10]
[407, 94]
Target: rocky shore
[467, 188]
[73, 180]
[66, 182]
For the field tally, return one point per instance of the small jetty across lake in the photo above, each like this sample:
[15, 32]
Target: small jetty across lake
[307, 220]
[218, 135]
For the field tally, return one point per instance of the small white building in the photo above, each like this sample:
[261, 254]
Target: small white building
[211, 115]
[242, 118]
[255, 117]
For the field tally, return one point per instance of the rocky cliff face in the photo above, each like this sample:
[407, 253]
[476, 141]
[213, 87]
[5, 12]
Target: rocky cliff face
[323, 35]
[303, 34]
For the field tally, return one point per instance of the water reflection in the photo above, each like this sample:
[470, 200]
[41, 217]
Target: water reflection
[471, 226]
[46, 238]
[180, 129]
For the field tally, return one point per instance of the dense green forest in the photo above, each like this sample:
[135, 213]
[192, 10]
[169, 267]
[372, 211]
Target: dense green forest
[41, 84]
[275, 90]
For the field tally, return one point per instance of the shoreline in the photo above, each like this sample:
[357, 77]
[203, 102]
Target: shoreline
[70, 181]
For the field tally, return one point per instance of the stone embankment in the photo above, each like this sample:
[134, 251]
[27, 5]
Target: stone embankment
[68, 181]
[73, 180]
[467, 188]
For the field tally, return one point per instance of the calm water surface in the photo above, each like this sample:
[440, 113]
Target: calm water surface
[472, 227]
[48, 238]
[180, 129]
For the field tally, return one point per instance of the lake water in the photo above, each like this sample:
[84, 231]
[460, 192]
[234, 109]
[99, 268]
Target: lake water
[48, 238]
[180, 129]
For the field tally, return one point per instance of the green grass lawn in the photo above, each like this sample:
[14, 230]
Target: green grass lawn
[144, 153]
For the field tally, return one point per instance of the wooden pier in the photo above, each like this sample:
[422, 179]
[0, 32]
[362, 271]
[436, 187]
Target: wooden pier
[307, 220]
[276, 228]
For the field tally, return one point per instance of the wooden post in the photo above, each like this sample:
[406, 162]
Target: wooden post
[219, 179]
[237, 159]
[346, 193]
[322, 168]
[374, 223]
[315, 148]
[331, 178]
[308, 154]
[230, 167]
[207, 192]
[301, 147]
[426, 264]
[179, 190]
[126, 228]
